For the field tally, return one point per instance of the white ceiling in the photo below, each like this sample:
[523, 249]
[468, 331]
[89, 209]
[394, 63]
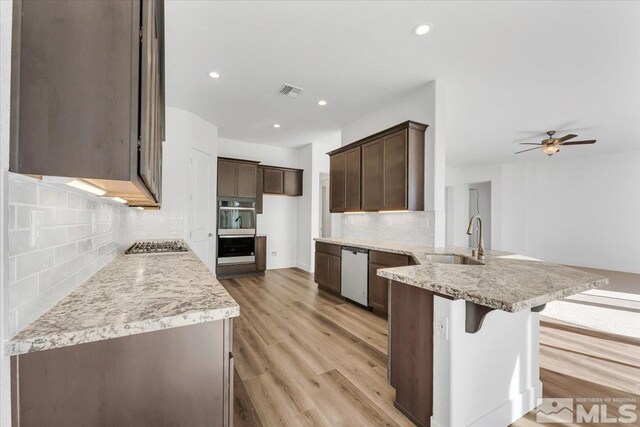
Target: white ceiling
[512, 69]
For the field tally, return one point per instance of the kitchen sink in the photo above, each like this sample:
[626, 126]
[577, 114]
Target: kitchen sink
[452, 259]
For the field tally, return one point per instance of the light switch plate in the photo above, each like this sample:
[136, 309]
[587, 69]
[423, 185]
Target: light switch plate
[36, 226]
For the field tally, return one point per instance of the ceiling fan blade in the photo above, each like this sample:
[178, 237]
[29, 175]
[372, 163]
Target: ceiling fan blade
[529, 149]
[589, 141]
[567, 137]
[530, 143]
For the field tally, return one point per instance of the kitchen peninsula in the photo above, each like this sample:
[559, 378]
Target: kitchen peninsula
[146, 340]
[464, 333]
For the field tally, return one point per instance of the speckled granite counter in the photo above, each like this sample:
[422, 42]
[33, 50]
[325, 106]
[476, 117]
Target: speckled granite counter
[506, 281]
[131, 295]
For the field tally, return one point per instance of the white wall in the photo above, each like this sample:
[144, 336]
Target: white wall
[425, 105]
[314, 160]
[279, 220]
[580, 212]
[185, 131]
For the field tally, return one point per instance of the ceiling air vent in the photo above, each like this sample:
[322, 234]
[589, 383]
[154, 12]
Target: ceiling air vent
[290, 91]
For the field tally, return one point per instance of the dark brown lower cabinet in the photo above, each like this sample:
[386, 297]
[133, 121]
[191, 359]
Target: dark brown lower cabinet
[178, 376]
[261, 253]
[411, 351]
[379, 286]
[328, 267]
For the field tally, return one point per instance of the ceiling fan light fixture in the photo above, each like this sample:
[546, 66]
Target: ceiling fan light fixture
[550, 149]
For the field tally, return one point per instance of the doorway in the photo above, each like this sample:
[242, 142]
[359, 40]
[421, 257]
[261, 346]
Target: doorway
[325, 215]
[201, 218]
[480, 204]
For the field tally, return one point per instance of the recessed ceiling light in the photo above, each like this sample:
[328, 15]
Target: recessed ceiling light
[322, 102]
[275, 125]
[214, 75]
[421, 30]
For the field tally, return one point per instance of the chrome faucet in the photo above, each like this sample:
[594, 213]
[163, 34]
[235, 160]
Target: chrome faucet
[480, 239]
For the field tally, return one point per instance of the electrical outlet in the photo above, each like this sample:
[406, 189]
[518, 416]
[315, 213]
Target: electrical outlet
[442, 327]
[36, 226]
[274, 253]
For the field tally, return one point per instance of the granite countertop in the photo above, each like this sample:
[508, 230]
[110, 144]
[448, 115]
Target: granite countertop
[131, 295]
[505, 281]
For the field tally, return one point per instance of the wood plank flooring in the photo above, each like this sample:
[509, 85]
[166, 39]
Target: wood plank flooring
[306, 358]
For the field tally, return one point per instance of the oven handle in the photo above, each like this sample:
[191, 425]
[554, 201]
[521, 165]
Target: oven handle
[236, 236]
[232, 208]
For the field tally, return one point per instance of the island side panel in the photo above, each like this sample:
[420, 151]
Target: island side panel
[170, 377]
[411, 350]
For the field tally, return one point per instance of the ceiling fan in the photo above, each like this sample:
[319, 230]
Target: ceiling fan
[552, 145]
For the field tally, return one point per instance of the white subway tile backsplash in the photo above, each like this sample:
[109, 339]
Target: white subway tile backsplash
[22, 291]
[34, 262]
[52, 197]
[412, 228]
[66, 252]
[20, 242]
[23, 192]
[52, 276]
[78, 235]
[66, 217]
[11, 218]
[23, 216]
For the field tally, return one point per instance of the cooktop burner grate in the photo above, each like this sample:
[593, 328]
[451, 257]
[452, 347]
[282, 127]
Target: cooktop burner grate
[156, 247]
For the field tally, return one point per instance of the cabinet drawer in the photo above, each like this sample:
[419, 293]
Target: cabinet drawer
[329, 248]
[388, 259]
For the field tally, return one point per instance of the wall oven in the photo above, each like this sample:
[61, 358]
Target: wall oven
[236, 216]
[236, 249]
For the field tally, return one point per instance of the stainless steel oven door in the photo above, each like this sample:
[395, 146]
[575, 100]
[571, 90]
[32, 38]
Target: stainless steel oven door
[236, 216]
[236, 249]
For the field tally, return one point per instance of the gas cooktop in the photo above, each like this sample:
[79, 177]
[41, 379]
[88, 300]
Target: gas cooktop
[156, 247]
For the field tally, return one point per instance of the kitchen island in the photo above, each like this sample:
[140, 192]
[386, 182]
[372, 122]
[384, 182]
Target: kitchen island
[464, 338]
[145, 341]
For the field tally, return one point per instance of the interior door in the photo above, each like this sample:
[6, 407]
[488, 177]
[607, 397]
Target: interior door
[201, 219]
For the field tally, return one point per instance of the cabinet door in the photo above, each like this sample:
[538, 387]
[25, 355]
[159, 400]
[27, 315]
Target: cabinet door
[259, 191]
[227, 179]
[273, 181]
[334, 277]
[261, 253]
[247, 180]
[293, 183]
[395, 171]
[74, 89]
[337, 183]
[378, 290]
[373, 175]
[322, 268]
[149, 93]
[352, 180]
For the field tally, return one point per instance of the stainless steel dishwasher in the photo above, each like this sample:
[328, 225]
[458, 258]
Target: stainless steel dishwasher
[355, 274]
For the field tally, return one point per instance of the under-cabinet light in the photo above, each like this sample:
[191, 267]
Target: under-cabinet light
[85, 186]
[140, 207]
[398, 211]
[118, 199]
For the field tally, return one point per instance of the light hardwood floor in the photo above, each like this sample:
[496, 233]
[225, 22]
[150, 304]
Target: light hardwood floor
[306, 358]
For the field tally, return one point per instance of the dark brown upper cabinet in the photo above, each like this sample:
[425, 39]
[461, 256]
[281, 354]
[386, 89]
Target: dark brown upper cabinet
[273, 181]
[237, 178]
[284, 181]
[87, 94]
[385, 173]
[344, 193]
